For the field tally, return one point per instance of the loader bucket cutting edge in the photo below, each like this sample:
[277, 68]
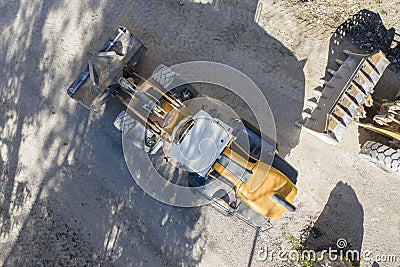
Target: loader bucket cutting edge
[344, 95]
[94, 84]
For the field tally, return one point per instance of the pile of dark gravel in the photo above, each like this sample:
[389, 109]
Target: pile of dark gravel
[366, 30]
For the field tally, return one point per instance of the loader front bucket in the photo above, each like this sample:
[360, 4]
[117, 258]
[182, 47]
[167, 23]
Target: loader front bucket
[94, 84]
[342, 98]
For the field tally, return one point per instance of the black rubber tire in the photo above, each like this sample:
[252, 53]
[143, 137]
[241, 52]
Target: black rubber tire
[384, 157]
[123, 122]
[168, 79]
[163, 75]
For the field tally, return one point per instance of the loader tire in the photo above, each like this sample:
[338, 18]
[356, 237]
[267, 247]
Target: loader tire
[168, 79]
[163, 75]
[123, 122]
[384, 157]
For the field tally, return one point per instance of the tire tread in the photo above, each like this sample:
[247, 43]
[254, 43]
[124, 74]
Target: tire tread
[383, 156]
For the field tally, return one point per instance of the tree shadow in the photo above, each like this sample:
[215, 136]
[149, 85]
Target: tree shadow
[66, 194]
[71, 200]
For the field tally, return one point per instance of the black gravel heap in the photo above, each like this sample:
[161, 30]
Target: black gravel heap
[366, 30]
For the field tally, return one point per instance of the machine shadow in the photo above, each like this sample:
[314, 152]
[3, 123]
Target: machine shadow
[340, 226]
[365, 33]
[80, 204]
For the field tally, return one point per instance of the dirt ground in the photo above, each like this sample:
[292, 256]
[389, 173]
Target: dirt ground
[66, 195]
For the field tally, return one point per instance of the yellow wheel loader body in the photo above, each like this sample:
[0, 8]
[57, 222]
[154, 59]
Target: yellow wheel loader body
[262, 184]
[198, 143]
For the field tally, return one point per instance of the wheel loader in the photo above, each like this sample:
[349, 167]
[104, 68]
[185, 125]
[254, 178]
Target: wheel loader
[349, 97]
[156, 120]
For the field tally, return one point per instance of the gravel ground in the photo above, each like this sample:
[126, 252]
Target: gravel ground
[330, 14]
[66, 195]
[371, 29]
